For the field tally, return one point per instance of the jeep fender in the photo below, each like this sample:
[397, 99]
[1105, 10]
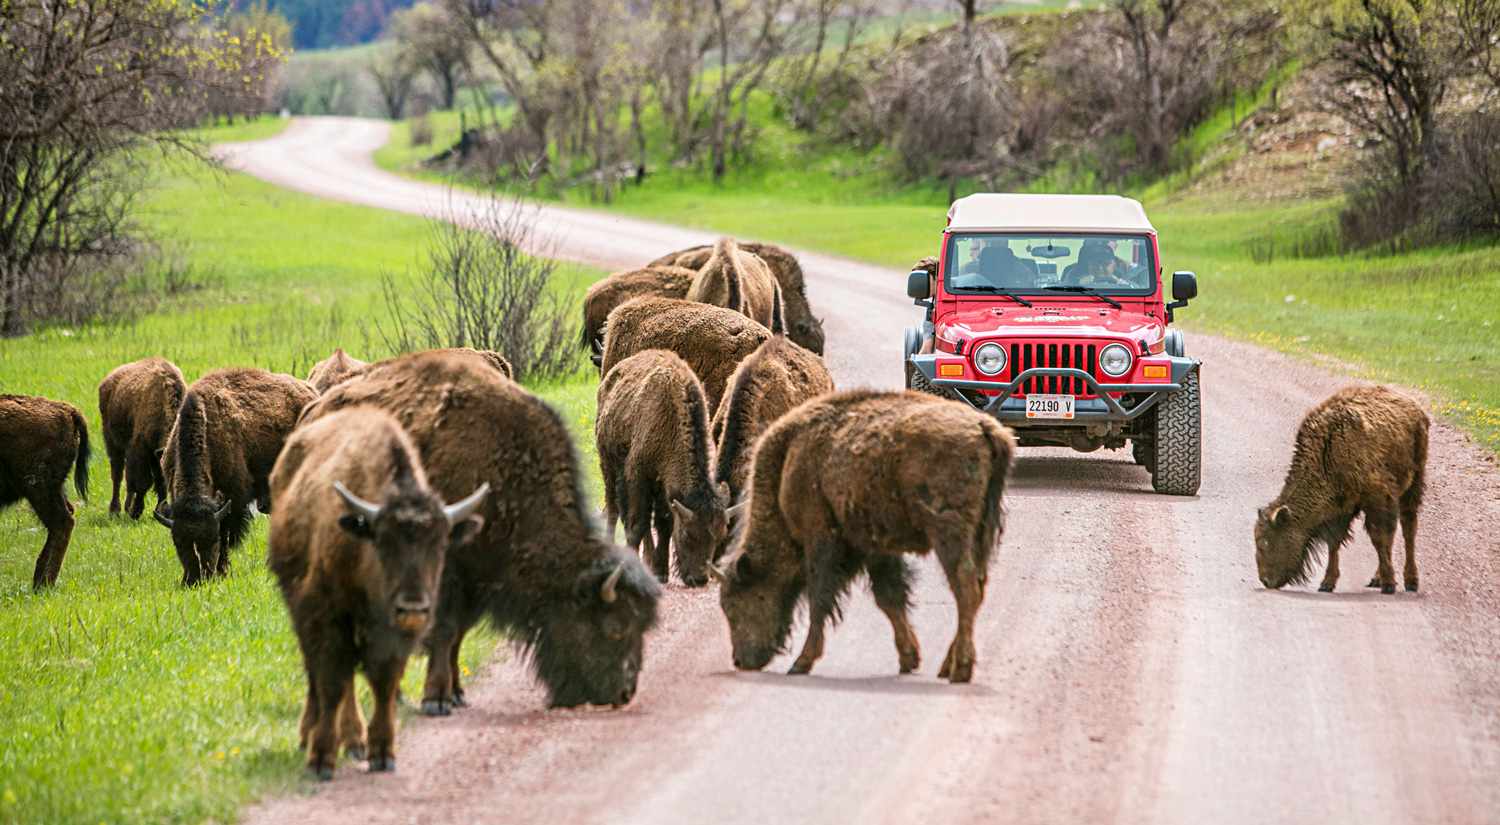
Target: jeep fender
[1176, 344]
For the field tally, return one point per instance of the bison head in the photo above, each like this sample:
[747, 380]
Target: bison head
[197, 525]
[700, 525]
[1283, 551]
[758, 600]
[806, 330]
[589, 649]
[412, 531]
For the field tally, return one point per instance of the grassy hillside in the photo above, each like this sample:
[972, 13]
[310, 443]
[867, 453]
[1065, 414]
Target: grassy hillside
[124, 697]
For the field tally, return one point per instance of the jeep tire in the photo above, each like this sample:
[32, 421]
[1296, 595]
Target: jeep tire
[1178, 441]
[915, 380]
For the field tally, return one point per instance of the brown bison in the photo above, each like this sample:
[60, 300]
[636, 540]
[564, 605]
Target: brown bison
[604, 295]
[802, 326]
[1362, 450]
[540, 567]
[40, 441]
[334, 370]
[844, 484]
[735, 279]
[218, 461]
[712, 340]
[357, 542]
[137, 404]
[655, 456]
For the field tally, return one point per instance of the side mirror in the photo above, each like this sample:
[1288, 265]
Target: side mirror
[916, 285]
[1184, 286]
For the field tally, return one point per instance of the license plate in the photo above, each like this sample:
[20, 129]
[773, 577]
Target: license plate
[1049, 406]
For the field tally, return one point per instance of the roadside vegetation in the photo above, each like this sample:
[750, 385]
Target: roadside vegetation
[127, 698]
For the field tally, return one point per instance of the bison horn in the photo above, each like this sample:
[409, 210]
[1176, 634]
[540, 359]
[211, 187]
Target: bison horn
[162, 517]
[737, 510]
[223, 511]
[717, 573]
[463, 509]
[607, 590]
[356, 504]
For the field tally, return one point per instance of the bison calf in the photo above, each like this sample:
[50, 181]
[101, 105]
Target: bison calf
[357, 543]
[845, 484]
[737, 280]
[40, 441]
[654, 453]
[137, 403]
[334, 370]
[801, 324]
[1362, 450]
[606, 294]
[218, 461]
[712, 340]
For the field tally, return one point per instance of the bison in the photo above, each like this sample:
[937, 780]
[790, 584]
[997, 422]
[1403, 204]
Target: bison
[604, 295]
[357, 542]
[655, 456]
[334, 370]
[137, 404]
[1362, 450]
[735, 279]
[802, 326]
[218, 461]
[712, 340]
[846, 483]
[40, 441]
[540, 567]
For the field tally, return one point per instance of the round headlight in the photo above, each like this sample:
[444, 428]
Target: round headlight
[990, 359]
[1114, 360]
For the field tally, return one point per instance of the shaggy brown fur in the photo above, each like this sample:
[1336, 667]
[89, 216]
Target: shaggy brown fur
[218, 460]
[712, 340]
[137, 403]
[737, 280]
[40, 441]
[655, 455]
[603, 296]
[775, 378]
[334, 370]
[802, 326]
[540, 567]
[844, 484]
[359, 575]
[1362, 450]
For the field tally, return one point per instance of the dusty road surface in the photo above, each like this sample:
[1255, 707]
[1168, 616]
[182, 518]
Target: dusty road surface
[1131, 668]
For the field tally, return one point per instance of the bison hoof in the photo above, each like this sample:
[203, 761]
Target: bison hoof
[1375, 582]
[1325, 587]
[799, 668]
[962, 672]
[909, 664]
[383, 764]
[459, 701]
[436, 707]
[355, 751]
[1388, 589]
[695, 581]
[1411, 586]
[322, 773]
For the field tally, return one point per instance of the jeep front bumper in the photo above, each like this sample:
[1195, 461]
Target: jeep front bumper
[1102, 408]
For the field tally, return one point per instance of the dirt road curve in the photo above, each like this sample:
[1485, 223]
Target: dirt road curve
[1131, 668]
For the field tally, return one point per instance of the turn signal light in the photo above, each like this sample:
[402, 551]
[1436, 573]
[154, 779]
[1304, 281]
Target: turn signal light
[1155, 370]
[951, 370]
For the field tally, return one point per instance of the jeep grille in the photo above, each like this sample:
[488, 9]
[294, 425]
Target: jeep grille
[1025, 356]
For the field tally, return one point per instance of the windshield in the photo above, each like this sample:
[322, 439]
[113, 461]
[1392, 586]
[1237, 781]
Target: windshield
[1104, 264]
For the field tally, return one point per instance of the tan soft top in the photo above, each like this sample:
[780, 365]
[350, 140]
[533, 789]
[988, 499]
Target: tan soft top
[1048, 213]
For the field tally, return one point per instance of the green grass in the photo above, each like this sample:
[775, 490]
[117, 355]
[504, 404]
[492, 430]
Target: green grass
[125, 698]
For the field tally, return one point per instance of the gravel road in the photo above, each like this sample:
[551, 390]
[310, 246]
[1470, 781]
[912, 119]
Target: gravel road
[1131, 668]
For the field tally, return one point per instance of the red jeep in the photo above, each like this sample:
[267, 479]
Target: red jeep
[1047, 311]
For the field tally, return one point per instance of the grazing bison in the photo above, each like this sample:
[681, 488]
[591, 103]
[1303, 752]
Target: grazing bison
[137, 404]
[334, 370]
[1362, 450]
[40, 441]
[357, 542]
[802, 325]
[654, 452]
[604, 295]
[735, 279]
[539, 568]
[844, 484]
[712, 340]
[218, 461]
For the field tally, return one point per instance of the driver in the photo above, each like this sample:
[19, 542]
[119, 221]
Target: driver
[1099, 268]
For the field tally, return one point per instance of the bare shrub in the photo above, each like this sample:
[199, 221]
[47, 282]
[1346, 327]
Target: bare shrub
[420, 130]
[1461, 193]
[481, 288]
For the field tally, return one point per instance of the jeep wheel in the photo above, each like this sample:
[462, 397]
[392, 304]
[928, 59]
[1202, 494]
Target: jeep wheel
[1178, 441]
[915, 380]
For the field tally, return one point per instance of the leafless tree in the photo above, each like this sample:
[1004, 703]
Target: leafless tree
[394, 79]
[434, 40]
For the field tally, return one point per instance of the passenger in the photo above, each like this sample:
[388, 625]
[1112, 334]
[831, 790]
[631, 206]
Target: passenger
[999, 266]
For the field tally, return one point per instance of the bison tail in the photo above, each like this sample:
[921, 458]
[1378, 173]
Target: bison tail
[992, 524]
[81, 461]
[778, 311]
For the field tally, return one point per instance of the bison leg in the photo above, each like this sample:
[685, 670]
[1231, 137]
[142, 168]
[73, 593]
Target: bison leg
[333, 677]
[442, 654]
[662, 517]
[1380, 524]
[141, 470]
[56, 515]
[456, 670]
[831, 569]
[1409, 535]
[614, 490]
[1331, 575]
[890, 581]
[116, 475]
[351, 724]
[968, 590]
[385, 680]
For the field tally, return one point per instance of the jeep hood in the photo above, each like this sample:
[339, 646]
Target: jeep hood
[1071, 319]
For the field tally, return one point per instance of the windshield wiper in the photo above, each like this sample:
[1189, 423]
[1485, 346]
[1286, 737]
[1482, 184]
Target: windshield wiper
[1085, 290]
[992, 290]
